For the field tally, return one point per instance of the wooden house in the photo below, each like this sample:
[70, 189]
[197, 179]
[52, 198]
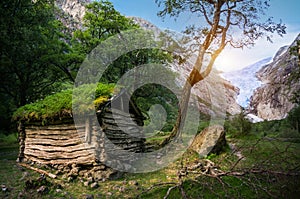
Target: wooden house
[60, 143]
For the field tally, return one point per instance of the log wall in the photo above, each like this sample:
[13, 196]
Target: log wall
[62, 143]
[57, 144]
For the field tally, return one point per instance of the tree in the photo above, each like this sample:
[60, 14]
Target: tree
[30, 41]
[235, 23]
[100, 21]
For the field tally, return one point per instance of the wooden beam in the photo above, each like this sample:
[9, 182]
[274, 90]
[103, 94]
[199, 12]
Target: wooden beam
[38, 170]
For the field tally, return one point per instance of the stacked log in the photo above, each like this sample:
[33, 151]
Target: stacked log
[85, 148]
[123, 130]
[57, 144]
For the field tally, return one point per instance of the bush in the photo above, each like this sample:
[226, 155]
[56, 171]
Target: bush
[9, 139]
[238, 125]
[294, 118]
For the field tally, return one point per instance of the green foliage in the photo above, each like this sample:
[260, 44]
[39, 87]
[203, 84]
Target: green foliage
[134, 59]
[30, 42]
[152, 94]
[59, 105]
[9, 139]
[56, 105]
[247, 17]
[32, 47]
[100, 22]
[98, 94]
[238, 125]
[294, 118]
[279, 129]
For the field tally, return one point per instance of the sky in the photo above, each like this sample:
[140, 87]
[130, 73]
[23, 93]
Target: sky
[230, 59]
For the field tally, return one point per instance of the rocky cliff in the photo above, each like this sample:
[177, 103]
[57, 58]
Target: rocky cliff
[273, 100]
[71, 12]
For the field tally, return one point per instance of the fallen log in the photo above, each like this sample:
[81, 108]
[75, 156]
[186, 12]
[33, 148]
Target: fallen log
[38, 170]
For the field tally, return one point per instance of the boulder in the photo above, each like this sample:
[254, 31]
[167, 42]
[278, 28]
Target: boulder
[210, 140]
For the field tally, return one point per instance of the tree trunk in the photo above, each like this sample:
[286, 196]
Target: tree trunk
[193, 78]
[23, 94]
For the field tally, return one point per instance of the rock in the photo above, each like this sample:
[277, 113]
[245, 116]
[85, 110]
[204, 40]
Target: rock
[20, 195]
[90, 179]
[99, 175]
[66, 169]
[109, 194]
[4, 188]
[122, 189]
[60, 167]
[133, 182]
[58, 190]
[94, 185]
[71, 11]
[87, 175]
[86, 184]
[82, 172]
[70, 179]
[87, 196]
[74, 172]
[210, 140]
[65, 176]
[57, 172]
[42, 190]
[114, 175]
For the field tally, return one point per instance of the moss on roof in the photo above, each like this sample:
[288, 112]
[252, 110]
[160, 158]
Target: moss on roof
[59, 105]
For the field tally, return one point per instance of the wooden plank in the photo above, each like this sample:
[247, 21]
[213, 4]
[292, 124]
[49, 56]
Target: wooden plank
[52, 137]
[120, 123]
[130, 129]
[67, 149]
[46, 132]
[52, 127]
[38, 170]
[62, 155]
[118, 112]
[51, 142]
[110, 116]
[87, 160]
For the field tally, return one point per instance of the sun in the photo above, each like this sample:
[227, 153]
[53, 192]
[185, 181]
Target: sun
[225, 62]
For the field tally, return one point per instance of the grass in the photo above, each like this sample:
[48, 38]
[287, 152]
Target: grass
[260, 152]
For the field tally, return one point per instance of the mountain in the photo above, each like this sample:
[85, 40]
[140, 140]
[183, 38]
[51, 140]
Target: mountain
[215, 94]
[273, 99]
[71, 12]
[246, 80]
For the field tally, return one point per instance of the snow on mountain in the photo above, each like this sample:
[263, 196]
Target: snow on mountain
[275, 98]
[246, 80]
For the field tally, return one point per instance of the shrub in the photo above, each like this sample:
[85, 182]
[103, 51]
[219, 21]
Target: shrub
[294, 118]
[238, 125]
